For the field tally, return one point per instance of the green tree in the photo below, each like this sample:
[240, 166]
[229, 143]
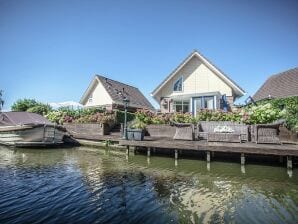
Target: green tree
[23, 104]
[31, 105]
[1, 100]
[41, 108]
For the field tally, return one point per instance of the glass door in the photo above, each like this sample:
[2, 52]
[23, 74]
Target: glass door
[203, 102]
[197, 105]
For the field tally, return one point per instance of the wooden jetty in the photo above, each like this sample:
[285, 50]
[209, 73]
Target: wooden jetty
[179, 146]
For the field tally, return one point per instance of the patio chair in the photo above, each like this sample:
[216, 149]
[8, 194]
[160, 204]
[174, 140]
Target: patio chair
[266, 133]
[184, 131]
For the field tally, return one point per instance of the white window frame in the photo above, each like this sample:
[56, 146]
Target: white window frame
[181, 77]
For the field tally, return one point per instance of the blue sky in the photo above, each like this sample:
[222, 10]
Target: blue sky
[50, 50]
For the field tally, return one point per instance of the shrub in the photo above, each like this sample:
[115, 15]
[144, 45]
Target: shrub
[56, 116]
[262, 114]
[32, 106]
[183, 118]
[137, 124]
[144, 116]
[24, 104]
[218, 115]
[120, 116]
[288, 108]
[40, 109]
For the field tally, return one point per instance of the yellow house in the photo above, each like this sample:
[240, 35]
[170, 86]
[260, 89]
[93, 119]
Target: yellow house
[196, 84]
[108, 93]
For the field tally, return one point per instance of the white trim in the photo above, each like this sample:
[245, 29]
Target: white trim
[215, 102]
[209, 65]
[89, 89]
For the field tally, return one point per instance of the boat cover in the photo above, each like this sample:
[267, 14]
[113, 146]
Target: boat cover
[21, 118]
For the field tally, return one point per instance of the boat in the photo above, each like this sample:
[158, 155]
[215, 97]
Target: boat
[25, 129]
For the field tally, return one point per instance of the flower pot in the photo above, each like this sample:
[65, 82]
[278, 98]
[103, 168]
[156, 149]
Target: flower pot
[135, 134]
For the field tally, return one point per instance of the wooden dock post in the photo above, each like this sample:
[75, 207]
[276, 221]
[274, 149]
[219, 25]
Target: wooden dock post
[290, 172]
[289, 162]
[133, 151]
[243, 169]
[148, 152]
[176, 154]
[127, 150]
[242, 159]
[208, 156]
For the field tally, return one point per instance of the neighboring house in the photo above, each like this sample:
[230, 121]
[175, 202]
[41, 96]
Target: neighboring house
[196, 84]
[108, 93]
[282, 85]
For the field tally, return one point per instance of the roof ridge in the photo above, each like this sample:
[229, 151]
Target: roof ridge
[283, 72]
[202, 57]
[99, 76]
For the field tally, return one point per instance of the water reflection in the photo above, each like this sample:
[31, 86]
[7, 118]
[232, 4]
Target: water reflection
[92, 185]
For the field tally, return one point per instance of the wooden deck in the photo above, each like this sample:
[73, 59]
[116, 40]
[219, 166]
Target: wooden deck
[167, 143]
[247, 148]
[177, 146]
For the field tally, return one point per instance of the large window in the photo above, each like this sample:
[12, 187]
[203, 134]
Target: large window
[178, 85]
[181, 106]
[208, 102]
[203, 102]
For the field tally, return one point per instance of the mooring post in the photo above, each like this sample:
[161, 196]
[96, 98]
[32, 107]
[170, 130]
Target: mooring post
[127, 150]
[290, 172]
[176, 154]
[133, 151]
[208, 156]
[289, 162]
[148, 152]
[243, 169]
[208, 166]
[176, 162]
[242, 159]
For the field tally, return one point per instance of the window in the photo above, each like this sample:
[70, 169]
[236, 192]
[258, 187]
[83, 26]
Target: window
[203, 102]
[178, 85]
[208, 102]
[181, 106]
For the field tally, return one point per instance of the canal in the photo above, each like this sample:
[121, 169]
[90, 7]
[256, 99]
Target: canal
[91, 185]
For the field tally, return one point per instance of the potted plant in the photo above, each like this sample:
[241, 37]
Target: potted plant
[136, 131]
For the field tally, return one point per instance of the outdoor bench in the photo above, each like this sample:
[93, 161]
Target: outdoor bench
[206, 131]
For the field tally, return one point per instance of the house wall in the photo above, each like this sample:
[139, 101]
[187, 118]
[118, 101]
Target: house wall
[100, 97]
[197, 78]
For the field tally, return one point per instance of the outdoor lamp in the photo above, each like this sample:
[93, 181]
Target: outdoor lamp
[125, 102]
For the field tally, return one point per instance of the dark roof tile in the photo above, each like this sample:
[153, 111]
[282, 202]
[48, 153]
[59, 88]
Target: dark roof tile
[118, 90]
[281, 85]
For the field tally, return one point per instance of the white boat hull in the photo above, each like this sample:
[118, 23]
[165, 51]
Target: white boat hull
[34, 135]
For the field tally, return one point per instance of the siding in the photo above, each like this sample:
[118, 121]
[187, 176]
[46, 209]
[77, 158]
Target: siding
[100, 96]
[197, 78]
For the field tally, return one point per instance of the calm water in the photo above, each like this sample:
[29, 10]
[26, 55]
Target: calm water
[86, 185]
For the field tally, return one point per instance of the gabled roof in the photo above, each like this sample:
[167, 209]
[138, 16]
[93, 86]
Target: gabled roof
[281, 85]
[237, 89]
[21, 118]
[117, 91]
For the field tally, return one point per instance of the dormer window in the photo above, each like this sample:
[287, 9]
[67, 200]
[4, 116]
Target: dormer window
[178, 85]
